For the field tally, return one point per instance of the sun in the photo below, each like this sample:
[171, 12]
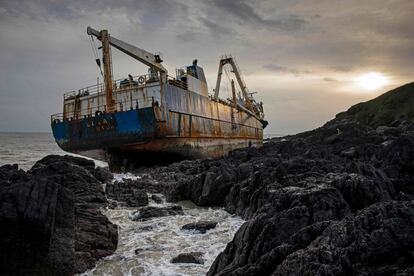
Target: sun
[371, 81]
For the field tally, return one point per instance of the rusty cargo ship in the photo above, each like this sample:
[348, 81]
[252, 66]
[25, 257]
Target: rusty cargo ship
[155, 116]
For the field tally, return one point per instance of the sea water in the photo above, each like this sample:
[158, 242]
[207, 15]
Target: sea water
[147, 247]
[144, 248]
[24, 148]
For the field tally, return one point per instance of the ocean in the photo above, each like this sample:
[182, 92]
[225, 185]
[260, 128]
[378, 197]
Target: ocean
[25, 148]
[157, 246]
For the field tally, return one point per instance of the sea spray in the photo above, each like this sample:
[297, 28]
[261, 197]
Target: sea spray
[147, 247]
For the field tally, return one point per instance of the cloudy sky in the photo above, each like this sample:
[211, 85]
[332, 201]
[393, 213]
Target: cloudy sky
[308, 59]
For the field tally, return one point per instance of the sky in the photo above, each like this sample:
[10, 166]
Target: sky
[308, 60]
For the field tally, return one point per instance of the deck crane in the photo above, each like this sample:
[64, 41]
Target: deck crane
[250, 105]
[153, 61]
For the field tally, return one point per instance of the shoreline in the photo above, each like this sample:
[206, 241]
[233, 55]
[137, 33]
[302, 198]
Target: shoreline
[242, 183]
[338, 199]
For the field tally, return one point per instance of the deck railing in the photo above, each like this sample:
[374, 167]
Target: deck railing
[100, 109]
[118, 85]
[121, 85]
[129, 84]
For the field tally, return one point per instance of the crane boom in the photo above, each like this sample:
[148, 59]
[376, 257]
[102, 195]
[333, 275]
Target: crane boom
[230, 60]
[149, 59]
[250, 106]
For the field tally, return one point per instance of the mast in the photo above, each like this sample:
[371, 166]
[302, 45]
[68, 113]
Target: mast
[107, 64]
[233, 93]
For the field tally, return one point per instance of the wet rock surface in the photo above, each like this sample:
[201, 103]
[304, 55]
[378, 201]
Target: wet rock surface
[200, 226]
[319, 203]
[50, 219]
[157, 199]
[338, 200]
[192, 257]
[154, 212]
[132, 193]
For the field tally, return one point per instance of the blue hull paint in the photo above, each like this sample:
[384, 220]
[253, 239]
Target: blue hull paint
[185, 126]
[106, 130]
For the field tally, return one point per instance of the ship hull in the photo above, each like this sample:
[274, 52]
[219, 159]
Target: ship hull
[180, 125]
[166, 151]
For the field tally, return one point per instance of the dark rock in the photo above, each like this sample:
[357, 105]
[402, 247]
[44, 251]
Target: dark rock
[200, 226]
[112, 204]
[50, 159]
[192, 257]
[360, 191]
[244, 170]
[291, 190]
[153, 212]
[138, 250]
[104, 175]
[157, 199]
[37, 230]
[132, 193]
[72, 176]
[374, 242]
[10, 174]
[337, 200]
[50, 219]
[350, 153]
[7, 171]
[332, 139]
[388, 130]
[96, 237]
[145, 228]
[138, 198]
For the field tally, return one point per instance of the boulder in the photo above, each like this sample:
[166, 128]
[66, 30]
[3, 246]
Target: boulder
[200, 226]
[137, 198]
[37, 229]
[104, 175]
[132, 193]
[192, 257]
[157, 199]
[87, 164]
[50, 219]
[7, 171]
[154, 212]
[138, 251]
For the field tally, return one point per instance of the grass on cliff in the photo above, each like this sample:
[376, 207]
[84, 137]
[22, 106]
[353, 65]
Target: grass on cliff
[394, 105]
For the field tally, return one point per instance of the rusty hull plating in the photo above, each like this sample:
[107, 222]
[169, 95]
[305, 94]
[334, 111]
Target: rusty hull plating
[156, 118]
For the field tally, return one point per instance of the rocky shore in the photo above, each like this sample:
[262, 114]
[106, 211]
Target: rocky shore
[50, 218]
[338, 200]
[334, 201]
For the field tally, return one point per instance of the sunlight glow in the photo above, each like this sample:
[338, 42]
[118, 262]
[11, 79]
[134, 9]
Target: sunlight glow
[371, 81]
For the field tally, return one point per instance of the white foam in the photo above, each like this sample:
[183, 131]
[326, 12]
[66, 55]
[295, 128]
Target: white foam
[164, 241]
[119, 177]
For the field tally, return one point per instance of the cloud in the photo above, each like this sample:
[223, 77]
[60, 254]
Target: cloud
[215, 28]
[327, 79]
[245, 12]
[285, 69]
[47, 52]
[341, 68]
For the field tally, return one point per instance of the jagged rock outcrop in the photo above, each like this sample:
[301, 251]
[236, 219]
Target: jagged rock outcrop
[378, 240]
[299, 191]
[132, 193]
[127, 193]
[50, 219]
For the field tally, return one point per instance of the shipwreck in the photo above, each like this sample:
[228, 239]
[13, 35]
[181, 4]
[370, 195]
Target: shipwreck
[156, 117]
